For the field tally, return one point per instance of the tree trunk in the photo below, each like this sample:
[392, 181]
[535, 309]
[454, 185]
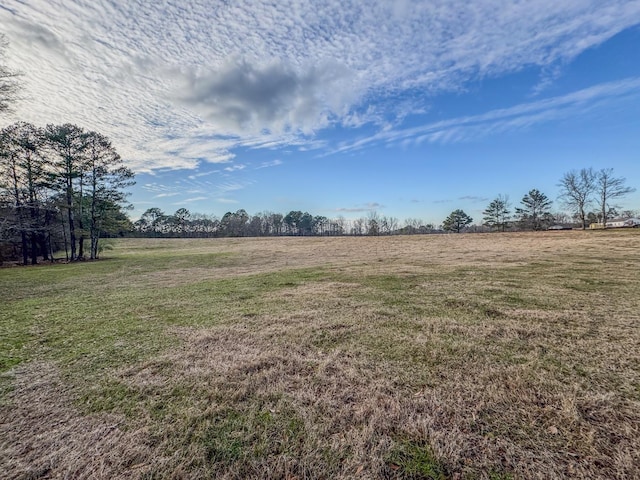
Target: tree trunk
[42, 244]
[72, 227]
[64, 236]
[25, 249]
[34, 248]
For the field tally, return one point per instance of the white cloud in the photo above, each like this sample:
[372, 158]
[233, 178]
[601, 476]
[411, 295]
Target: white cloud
[190, 200]
[156, 187]
[235, 168]
[273, 163]
[230, 186]
[175, 84]
[226, 200]
[474, 198]
[506, 119]
[367, 207]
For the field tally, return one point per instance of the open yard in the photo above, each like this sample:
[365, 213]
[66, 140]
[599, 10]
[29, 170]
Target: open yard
[498, 356]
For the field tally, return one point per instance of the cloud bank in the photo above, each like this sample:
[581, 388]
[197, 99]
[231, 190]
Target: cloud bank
[177, 84]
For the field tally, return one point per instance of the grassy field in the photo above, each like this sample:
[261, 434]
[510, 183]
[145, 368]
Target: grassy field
[499, 356]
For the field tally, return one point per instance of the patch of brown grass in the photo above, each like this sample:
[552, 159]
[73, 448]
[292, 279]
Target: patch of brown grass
[477, 418]
[44, 435]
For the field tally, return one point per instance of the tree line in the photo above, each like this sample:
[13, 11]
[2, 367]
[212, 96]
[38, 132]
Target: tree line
[580, 191]
[156, 223]
[61, 188]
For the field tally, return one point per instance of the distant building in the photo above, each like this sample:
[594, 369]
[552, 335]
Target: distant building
[632, 222]
[618, 223]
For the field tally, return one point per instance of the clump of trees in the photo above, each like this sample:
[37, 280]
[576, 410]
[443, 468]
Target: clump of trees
[585, 188]
[533, 214]
[61, 187]
[580, 191]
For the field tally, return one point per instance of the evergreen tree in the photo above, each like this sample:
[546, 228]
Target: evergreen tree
[68, 144]
[496, 215]
[456, 221]
[535, 212]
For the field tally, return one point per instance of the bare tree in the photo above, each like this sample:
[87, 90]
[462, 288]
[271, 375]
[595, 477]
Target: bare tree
[8, 83]
[609, 188]
[358, 226]
[576, 190]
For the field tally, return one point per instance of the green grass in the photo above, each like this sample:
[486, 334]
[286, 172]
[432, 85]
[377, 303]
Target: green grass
[415, 462]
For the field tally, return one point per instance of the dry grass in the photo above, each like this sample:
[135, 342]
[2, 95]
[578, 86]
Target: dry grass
[470, 356]
[43, 435]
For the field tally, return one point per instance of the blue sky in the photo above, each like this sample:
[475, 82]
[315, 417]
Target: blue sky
[409, 108]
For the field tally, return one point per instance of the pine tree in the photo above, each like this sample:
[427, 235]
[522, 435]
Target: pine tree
[535, 212]
[456, 221]
[496, 216]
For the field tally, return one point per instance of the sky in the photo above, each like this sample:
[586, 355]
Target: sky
[408, 108]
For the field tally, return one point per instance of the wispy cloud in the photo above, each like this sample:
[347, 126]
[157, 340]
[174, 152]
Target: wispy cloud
[507, 119]
[273, 163]
[274, 74]
[190, 200]
[157, 187]
[367, 207]
[234, 168]
[230, 186]
[202, 174]
[473, 198]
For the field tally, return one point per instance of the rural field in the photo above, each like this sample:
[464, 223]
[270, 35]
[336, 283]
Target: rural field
[489, 356]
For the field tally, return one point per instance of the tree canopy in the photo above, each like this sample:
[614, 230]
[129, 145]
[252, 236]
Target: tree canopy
[609, 188]
[535, 212]
[576, 189]
[456, 221]
[59, 186]
[497, 213]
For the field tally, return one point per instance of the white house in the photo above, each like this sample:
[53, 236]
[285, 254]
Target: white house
[632, 222]
[623, 222]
